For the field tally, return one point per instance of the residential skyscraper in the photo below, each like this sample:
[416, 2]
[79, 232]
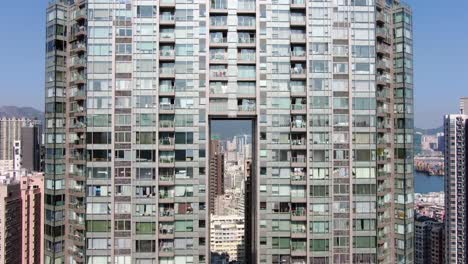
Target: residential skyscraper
[32, 200]
[10, 221]
[455, 131]
[131, 89]
[216, 174]
[11, 130]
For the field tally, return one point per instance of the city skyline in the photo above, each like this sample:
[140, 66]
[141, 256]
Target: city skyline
[436, 93]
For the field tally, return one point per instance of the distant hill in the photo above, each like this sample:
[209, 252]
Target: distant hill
[27, 112]
[430, 131]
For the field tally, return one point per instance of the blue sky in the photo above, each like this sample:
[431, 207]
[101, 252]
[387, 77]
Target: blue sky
[441, 55]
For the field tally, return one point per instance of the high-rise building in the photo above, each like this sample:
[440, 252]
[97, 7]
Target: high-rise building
[31, 148]
[32, 199]
[11, 130]
[423, 226]
[216, 174]
[455, 131]
[438, 244]
[10, 221]
[327, 84]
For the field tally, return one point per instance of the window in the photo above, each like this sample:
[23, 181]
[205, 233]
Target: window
[145, 227]
[280, 242]
[319, 244]
[146, 11]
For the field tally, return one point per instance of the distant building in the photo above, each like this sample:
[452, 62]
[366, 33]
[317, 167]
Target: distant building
[423, 234]
[418, 143]
[31, 148]
[456, 195]
[32, 198]
[440, 142]
[216, 173]
[27, 133]
[438, 244]
[10, 222]
[227, 236]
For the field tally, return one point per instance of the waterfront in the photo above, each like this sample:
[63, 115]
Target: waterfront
[424, 183]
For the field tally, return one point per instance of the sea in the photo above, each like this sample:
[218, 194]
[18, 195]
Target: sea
[423, 183]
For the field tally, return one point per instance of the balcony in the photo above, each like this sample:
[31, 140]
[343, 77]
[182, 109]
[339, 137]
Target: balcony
[218, 6]
[78, 47]
[246, 105]
[298, 124]
[165, 107]
[79, 15]
[167, 18]
[218, 22]
[298, 55]
[383, 65]
[166, 54]
[218, 57]
[166, 89]
[218, 88]
[246, 57]
[298, 38]
[218, 40]
[298, 73]
[166, 125]
[246, 23]
[382, 34]
[78, 78]
[78, 62]
[79, 31]
[383, 49]
[297, 4]
[383, 79]
[166, 72]
[298, 20]
[246, 7]
[167, 159]
[167, 3]
[167, 37]
[246, 41]
[218, 74]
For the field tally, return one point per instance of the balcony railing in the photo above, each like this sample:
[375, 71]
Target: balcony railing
[167, 159]
[167, 18]
[218, 89]
[246, 56]
[218, 56]
[298, 107]
[218, 73]
[167, 53]
[166, 71]
[166, 141]
[298, 37]
[166, 124]
[246, 107]
[219, 40]
[246, 40]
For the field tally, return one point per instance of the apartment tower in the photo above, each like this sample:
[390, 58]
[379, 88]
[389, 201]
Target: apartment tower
[131, 88]
[455, 130]
[216, 174]
[10, 222]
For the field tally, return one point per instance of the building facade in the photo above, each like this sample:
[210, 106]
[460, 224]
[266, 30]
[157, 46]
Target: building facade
[328, 85]
[216, 174]
[423, 251]
[455, 130]
[227, 237]
[438, 244]
[32, 199]
[10, 222]
[31, 148]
